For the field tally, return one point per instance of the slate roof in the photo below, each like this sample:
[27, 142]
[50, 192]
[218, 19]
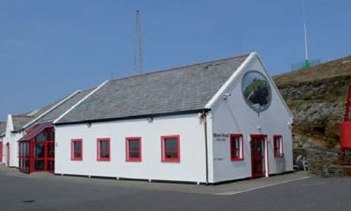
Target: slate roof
[59, 110]
[36, 130]
[181, 89]
[2, 128]
[20, 121]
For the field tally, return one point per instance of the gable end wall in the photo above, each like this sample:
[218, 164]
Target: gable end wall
[233, 116]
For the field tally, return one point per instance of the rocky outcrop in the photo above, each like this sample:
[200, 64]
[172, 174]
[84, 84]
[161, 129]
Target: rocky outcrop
[317, 102]
[323, 162]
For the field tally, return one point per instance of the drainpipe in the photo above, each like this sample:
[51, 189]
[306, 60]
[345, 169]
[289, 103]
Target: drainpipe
[204, 120]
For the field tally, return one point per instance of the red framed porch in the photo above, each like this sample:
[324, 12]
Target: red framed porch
[37, 149]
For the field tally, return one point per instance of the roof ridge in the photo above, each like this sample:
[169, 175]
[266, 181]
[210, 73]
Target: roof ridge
[21, 115]
[179, 67]
[80, 101]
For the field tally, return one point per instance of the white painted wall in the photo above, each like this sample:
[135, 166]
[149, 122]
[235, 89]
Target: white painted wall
[2, 146]
[12, 139]
[192, 149]
[235, 116]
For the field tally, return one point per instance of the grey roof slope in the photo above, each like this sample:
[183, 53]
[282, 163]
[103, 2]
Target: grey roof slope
[22, 119]
[2, 128]
[19, 121]
[59, 110]
[181, 89]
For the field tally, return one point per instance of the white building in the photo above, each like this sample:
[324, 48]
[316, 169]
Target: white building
[2, 135]
[34, 154]
[206, 123]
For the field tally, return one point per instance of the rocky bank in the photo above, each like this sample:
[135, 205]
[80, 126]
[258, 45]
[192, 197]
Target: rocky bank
[316, 96]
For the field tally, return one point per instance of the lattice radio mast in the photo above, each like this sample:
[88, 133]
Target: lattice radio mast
[138, 46]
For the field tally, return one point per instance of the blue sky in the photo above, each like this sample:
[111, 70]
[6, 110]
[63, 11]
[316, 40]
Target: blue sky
[49, 49]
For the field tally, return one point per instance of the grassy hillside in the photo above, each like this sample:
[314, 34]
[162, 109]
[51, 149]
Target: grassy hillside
[323, 72]
[317, 96]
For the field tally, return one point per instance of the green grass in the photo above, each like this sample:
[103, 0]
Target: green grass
[323, 72]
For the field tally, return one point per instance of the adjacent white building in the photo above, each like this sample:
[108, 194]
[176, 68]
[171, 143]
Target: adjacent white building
[205, 123]
[2, 135]
[18, 147]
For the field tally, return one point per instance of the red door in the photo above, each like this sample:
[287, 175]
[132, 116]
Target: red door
[43, 148]
[258, 155]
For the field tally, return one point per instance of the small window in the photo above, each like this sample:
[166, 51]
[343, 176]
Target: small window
[76, 149]
[41, 137]
[133, 149]
[103, 149]
[236, 147]
[170, 149]
[278, 146]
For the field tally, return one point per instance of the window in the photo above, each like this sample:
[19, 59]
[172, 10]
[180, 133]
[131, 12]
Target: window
[236, 147]
[24, 156]
[278, 146]
[103, 149]
[76, 149]
[133, 149]
[41, 137]
[170, 149]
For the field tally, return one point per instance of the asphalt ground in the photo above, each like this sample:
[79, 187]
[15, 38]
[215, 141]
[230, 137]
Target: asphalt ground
[295, 191]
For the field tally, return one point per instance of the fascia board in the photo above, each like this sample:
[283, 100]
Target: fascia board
[276, 88]
[79, 102]
[227, 84]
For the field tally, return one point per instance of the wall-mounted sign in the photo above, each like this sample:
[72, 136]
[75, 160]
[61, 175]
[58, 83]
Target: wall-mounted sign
[256, 90]
[218, 159]
[221, 136]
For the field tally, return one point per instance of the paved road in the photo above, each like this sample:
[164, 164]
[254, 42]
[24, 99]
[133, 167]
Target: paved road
[47, 192]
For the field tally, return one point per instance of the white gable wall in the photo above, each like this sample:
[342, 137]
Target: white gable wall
[191, 167]
[11, 138]
[233, 115]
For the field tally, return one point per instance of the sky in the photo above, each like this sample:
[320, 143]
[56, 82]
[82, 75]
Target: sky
[49, 49]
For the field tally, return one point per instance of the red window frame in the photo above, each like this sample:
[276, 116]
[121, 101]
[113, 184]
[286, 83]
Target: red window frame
[128, 150]
[99, 158]
[164, 158]
[278, 148]
[239, 149]
[73, 150]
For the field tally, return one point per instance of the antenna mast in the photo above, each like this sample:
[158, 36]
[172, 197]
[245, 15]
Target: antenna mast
[306, 63]
[138, 46]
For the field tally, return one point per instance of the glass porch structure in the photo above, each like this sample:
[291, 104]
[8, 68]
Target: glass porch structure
[37, 149]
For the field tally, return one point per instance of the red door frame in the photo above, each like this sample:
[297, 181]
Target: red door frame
[49, 142]
[24, 159]
[263, 157]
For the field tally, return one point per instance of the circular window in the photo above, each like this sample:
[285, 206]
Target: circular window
[256, 90]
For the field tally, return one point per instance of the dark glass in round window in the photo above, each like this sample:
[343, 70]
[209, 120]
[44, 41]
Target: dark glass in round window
[256, 91]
